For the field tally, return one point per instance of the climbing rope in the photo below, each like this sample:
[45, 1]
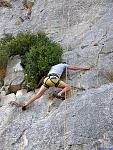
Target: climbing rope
[65, 104]
[65, 119]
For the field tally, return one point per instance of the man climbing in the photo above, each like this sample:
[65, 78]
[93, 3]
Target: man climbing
[53, 80]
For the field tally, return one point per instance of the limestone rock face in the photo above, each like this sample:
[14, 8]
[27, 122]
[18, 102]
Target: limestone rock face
[65, 21]
[5, 99]
[14, 75]
[85, 120]
[96, 48]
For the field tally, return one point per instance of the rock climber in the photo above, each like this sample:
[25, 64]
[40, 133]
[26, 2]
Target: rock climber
[53, 80]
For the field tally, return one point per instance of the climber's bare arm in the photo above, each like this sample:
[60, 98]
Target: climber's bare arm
[73, 67]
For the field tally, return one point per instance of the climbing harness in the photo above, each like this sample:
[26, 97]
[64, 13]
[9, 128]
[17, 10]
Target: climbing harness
[51, 80]
[53, 77]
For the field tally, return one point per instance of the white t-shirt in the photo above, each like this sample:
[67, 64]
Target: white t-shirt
[32, 1]
[58, 69]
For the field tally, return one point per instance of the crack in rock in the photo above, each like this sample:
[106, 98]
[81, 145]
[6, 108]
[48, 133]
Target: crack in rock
[106, 53]
[98, 57]
[20, 136]
[24, 142]
[104, 36]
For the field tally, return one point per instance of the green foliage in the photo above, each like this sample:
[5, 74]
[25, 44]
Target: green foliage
[40, 58]
[4, 43]
[3, 59]
[38, 53]
[19, 44]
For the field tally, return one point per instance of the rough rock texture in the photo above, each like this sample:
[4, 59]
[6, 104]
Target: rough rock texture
[5, 99]
[88, 118]
[84, 121]
[14, 74]
[65, 21]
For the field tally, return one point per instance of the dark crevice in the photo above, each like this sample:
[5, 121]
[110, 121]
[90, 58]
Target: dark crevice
[98, 56]
[106, 53]
[19, 137]
[105, 35]
[84, 46]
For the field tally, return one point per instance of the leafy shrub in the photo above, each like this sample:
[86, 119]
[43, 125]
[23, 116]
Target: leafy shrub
[19, 44]
[4, 42]
[38, 53]
[3, 59]
[39, 60]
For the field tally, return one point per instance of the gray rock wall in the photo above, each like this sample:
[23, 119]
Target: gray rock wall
[65, 21]
[14, 74]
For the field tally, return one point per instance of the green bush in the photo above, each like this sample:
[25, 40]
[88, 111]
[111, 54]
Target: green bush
[40, 59]
[38, 53]
[19, 44]
[4, 42]
[3, 59]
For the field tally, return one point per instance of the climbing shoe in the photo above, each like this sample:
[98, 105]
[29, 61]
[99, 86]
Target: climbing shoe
[24, 108]
[58, 96]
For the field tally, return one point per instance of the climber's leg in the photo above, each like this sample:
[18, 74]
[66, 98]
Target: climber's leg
[65, 88]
